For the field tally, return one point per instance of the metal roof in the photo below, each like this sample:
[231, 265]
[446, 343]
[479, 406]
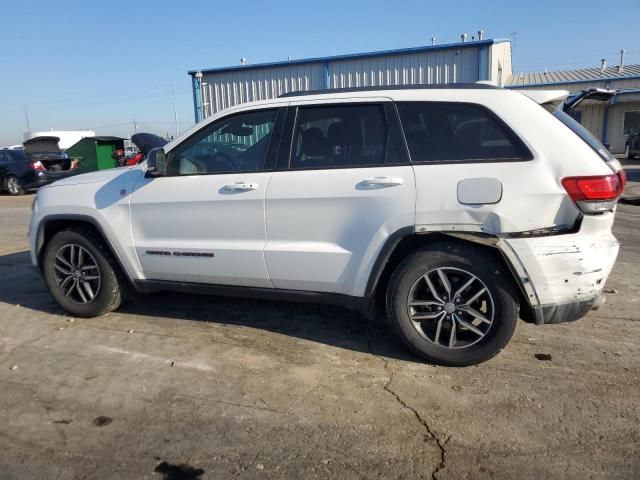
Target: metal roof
[572, 76]
[352, 56]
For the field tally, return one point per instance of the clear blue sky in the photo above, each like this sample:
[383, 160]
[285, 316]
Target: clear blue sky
[96, 64]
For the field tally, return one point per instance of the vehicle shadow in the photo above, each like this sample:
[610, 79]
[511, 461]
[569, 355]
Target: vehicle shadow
[21, 284]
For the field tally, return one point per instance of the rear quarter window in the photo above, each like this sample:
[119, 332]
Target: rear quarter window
[582, 132]
[457, 132]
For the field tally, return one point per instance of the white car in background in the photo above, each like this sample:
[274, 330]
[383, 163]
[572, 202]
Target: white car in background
[456, 209]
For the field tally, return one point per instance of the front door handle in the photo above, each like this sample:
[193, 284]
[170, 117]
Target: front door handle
[241, 186]
[384, 181]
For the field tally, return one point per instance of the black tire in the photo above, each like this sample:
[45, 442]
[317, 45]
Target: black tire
[109, 295]
[13, 186]
[454, 256]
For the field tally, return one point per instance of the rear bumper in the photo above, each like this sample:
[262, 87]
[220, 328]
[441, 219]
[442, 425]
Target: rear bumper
[40, 179]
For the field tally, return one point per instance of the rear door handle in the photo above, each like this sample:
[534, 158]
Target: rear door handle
[241, 186]
[384, 181]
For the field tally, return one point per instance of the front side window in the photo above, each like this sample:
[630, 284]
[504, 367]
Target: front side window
[237, 143]
[340, 136]
[456, 132]
[631, 123]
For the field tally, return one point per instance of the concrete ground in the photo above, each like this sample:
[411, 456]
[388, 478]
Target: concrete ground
[183, 387]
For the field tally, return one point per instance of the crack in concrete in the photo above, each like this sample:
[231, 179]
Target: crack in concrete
[423, 422]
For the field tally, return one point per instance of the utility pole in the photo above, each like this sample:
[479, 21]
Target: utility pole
[175, 111]
[513, 44]
[26, 117]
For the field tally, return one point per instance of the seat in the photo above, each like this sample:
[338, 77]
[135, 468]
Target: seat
[313, 148]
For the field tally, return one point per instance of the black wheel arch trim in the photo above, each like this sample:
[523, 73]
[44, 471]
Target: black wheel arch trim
[79, 218]
[527, 310]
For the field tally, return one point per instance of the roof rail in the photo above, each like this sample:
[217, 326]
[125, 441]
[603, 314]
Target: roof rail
[458, 86]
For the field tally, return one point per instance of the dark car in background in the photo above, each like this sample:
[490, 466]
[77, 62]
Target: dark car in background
[39, 163]
[632, 149]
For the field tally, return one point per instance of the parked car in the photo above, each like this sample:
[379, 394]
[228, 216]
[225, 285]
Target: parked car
[454, 209]
[21, 172]
[632, 147]
[39, 163]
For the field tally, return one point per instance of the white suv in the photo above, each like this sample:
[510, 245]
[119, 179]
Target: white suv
[456, 208]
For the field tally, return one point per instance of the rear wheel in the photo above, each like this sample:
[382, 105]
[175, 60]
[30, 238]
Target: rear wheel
[82, 274]
[13, 185]
[452, 304]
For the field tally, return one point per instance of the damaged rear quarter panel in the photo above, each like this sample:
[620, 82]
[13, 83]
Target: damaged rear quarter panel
[573, 267]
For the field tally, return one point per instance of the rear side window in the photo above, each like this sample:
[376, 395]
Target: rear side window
[454, 132]
[12, 155]
[340, 136]
[583, 133]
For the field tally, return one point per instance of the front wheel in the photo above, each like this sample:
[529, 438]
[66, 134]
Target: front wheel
[452, 304]
[82, 274]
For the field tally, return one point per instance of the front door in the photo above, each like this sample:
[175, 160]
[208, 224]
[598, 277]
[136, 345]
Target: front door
[204, 221]
[348, 186]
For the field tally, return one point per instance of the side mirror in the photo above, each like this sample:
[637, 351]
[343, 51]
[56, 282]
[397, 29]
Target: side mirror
[157, 163]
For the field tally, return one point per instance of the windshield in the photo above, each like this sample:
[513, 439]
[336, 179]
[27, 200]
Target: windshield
[583, 133]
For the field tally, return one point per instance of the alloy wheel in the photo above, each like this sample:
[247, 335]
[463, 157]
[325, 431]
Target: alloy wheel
[13, 185]
[450, 307]
[77, 273]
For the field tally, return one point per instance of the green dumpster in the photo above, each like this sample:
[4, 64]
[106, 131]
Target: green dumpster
[95, 153]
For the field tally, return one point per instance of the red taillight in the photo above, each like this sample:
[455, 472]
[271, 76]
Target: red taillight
[37, 166]
[605, 187]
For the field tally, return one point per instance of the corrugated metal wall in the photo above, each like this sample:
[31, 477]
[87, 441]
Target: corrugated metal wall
[440, 66]
[221, 90]
[615, 124]
[226, 89]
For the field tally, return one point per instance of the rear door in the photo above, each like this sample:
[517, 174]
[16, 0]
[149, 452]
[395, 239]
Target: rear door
[344, 185]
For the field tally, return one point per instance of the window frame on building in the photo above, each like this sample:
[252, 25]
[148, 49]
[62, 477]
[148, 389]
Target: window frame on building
[624, 122]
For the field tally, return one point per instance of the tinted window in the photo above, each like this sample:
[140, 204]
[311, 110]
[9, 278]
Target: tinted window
[14, 155]
[455, 132]
[631, 123]
[339, 136]
[233, 144]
